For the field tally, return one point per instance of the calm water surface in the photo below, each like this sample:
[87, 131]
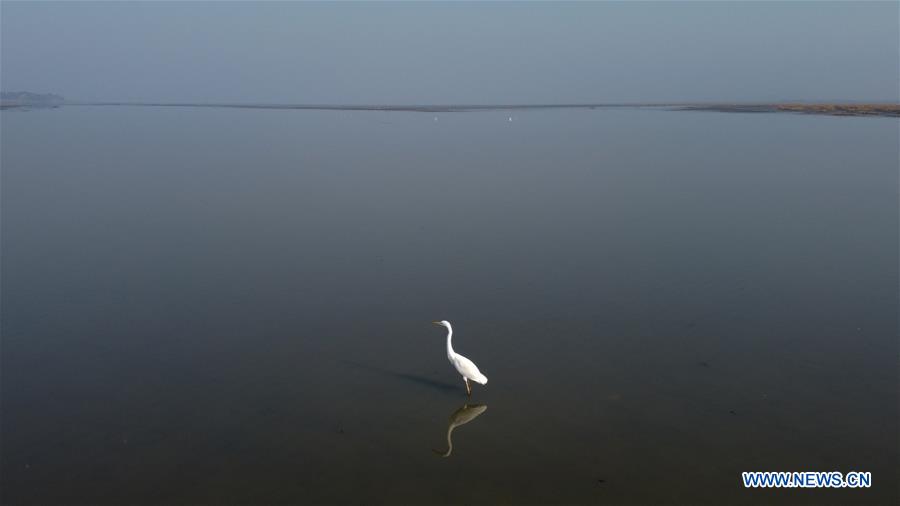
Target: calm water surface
[232, 306]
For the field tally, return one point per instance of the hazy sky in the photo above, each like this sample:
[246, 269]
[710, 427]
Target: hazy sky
[406, 53]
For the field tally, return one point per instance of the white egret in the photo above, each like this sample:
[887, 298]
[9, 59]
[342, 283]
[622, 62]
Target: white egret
[466, 367]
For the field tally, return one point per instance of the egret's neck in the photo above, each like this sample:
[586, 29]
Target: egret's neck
[450, 351]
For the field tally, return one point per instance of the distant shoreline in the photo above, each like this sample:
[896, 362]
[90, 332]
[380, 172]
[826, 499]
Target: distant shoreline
[830, 109]
[883, 110]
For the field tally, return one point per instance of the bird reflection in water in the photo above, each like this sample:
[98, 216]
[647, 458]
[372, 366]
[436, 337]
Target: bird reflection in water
[461, 416]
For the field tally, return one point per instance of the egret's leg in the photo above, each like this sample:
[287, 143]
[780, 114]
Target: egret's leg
[468, 387]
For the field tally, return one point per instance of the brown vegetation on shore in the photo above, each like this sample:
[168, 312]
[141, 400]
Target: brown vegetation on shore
[888, 110]
[844, 109]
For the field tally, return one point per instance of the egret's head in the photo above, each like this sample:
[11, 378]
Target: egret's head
[442, 323]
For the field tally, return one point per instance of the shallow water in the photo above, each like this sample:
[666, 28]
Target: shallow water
[233, 306]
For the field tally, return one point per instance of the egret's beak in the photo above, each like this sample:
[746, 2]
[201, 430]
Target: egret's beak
[437, 323]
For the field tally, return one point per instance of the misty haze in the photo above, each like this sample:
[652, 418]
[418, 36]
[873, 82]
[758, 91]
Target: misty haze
[235, 237]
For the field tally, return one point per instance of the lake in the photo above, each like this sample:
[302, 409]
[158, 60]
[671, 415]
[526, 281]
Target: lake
[205, 305]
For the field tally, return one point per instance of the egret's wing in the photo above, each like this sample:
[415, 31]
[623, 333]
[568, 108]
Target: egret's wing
[468, 369]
